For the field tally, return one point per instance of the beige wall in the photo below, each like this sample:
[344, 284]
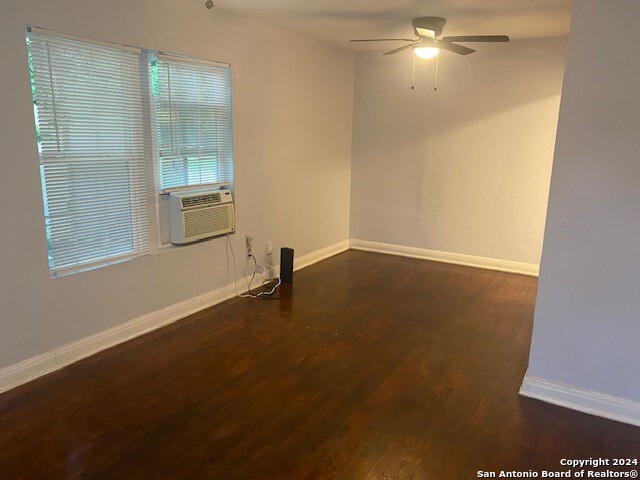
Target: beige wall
[587, 324]
[465, 169]
[292, 106]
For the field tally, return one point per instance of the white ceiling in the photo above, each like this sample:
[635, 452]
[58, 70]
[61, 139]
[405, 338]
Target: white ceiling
[337, 21]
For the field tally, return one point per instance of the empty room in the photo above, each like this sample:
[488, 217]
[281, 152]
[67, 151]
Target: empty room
[384, 239]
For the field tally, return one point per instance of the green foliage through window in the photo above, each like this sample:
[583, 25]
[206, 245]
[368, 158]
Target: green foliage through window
[153, 68]
[34, 92]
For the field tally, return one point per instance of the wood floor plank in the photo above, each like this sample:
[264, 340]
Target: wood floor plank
[368, 367]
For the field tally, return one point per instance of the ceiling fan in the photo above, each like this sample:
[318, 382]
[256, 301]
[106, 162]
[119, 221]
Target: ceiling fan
[429, 43]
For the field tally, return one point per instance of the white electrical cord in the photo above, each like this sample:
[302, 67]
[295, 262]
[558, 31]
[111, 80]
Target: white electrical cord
[268, 267]
[256, 263]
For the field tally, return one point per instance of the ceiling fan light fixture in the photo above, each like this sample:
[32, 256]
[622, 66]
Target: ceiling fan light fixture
[429, 41]
[426, 52]
[425, 32]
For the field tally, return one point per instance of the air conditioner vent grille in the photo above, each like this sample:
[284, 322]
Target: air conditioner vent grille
[208, 220]
[201, 200]
[195, 216]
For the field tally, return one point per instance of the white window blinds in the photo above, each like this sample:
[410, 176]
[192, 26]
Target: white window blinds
[193, 113]
[89, 124]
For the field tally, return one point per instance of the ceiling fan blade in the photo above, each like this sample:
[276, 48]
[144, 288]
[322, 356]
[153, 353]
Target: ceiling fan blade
[385, 40]
[404, 47]
[477, 38]
[454, 47]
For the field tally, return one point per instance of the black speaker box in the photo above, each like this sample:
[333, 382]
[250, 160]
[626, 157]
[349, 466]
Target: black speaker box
[286, 265]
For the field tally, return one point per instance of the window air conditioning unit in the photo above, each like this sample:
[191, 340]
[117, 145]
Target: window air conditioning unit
[194, 216]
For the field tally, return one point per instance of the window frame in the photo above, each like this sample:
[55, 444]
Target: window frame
[172, 57]
[156, 211]
[58, 70]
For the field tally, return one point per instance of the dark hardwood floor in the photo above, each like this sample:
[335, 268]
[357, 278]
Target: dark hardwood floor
[372, 367]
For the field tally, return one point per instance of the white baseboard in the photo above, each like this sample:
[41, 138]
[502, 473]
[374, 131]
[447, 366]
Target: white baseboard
[587, 401]
[318, 255]
[32, 368]
[447, 257]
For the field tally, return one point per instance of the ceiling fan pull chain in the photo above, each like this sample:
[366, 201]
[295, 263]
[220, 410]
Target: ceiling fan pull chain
[435, 83]
[413, 73]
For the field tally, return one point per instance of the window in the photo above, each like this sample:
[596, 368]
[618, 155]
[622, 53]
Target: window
[92, 126]
[193, 118]
[88, 111]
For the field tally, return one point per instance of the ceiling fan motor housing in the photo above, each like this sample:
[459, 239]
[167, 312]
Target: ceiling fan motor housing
[435, 24]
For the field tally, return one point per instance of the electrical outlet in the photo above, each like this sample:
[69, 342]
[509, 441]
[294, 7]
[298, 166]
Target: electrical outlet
[269, 247]
[249, 243]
